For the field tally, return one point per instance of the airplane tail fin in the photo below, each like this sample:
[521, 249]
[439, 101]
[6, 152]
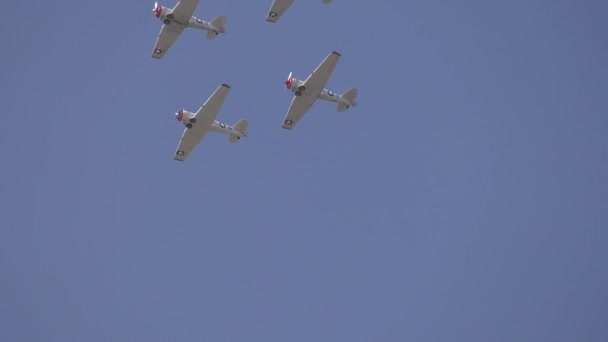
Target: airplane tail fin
[241, 131]
[218, 22]
[350, 96]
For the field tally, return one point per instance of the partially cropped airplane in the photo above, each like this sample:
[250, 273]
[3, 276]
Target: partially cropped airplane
[309, 91]
[279, 7]
[177, 19]
[203, 121]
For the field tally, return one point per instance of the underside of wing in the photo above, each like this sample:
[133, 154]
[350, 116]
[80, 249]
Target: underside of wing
[208, 112]
[167, 36]
[190, 138]
[277, 9]
[318, 79]
[299, 106]
[183, 11]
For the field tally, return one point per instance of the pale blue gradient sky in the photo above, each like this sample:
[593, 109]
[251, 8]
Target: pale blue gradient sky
[466, 198]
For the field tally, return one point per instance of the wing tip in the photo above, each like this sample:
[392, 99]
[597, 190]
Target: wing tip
[225, 85]
[336, 53]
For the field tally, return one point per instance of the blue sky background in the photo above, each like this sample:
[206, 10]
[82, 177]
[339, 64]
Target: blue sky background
[466, 198]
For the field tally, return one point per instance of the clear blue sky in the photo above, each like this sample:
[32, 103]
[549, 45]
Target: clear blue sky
[466, 198]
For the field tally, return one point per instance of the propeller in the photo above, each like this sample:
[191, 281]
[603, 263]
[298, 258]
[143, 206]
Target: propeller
[288, 82]
[157, 9]
[170, 118]
[179, 115]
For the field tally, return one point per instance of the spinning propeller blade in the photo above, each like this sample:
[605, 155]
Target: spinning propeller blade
[288, 82]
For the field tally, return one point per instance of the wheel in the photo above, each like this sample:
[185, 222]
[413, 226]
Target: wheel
[301, 88]
[238, 138]
[193, 120]
[298, 93]
[189, 125]
[170, 15]
[167, 21]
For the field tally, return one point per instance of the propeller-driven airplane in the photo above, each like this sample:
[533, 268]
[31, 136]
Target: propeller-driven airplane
[199, 123]
[309, 91]
[279, 7]
[177, 19]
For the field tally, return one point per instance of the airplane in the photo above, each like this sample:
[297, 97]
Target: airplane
[309, 91]
[279, 7]
[177, 19]
[203, 121]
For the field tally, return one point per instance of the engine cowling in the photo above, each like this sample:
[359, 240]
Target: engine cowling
[291, 82]
[159, 11]
[184, 116]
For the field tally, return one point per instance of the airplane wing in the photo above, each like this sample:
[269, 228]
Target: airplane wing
[318, 79]
[167, 36]
[183, 11]
[277, 9]
[190, 138]
[204, 119]
[299, 106]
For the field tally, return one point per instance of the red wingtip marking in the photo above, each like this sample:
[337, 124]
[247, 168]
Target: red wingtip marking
[225, 85]
[336, 53]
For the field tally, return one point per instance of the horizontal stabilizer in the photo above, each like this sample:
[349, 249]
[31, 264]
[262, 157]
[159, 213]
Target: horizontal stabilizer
[350, 96]
[241, 131]
[219, 23]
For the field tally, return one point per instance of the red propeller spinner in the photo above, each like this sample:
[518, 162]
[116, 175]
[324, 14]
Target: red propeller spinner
[179, 115]
[157, 9]
[289, 81]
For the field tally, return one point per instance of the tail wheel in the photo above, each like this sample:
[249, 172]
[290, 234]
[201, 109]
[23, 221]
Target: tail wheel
[189, 125]
[298, 93]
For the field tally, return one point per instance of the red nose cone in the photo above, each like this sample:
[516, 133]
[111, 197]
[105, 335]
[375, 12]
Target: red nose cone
[158, 10]
[180, 115]
[289, 83]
